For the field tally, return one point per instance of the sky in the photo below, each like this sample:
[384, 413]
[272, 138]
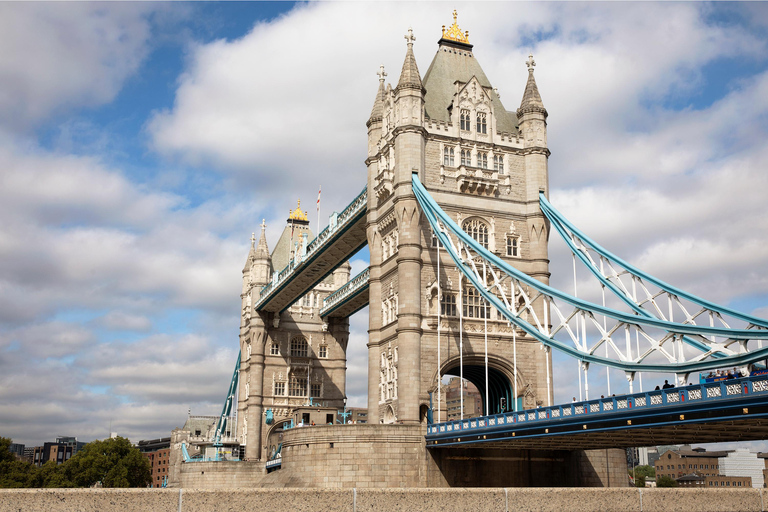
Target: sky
[142, 143]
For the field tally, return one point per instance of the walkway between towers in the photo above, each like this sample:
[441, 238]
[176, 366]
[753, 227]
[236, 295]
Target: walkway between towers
[715, 412]
[344, 236]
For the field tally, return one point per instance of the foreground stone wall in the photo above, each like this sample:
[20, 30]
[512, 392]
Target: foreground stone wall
[392, 500]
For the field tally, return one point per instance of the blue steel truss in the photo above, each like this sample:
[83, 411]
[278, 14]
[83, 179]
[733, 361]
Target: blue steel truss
[221, 424]
[502, 285]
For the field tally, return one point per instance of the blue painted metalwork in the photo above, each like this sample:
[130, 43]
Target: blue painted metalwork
[561, 222]
[439, 220]
[356, 285]
[590, 414]
[310, 251]
[221, 424]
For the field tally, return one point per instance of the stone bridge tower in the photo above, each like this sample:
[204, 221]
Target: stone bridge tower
[290, 357]
[485, 166]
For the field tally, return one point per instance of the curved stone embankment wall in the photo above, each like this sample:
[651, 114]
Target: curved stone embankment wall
[361, 456]
[392, 500]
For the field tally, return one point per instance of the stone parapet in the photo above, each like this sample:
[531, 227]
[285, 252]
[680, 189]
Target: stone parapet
[392, 500]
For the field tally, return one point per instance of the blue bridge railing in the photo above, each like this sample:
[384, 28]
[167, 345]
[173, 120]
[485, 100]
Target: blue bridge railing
[638, 403]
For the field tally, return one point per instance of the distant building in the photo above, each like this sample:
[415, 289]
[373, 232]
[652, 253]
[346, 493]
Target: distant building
[742, 462]
[158, 452]
[17, 449]
[58, 452]
[71, 441]
[473, 402]
[699, 481]
[698, 467]
[359, 414]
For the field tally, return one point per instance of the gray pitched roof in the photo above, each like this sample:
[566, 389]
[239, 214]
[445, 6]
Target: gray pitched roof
[282, 253]
[454, 62]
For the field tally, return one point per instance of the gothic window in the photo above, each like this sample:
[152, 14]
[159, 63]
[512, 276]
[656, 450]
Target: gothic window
[297, 386]
[392, 310]
[299, 347]
[465, 120]
[498, 163]
[279, 388]
[466, 157]
[323, 351]
[435, 242]
[481, 123]
[482, 160]
[474, 304]
[477, 229]
[274, 349]
[448, 305]
[307, 301]
[448, 156]
[513, 246]
[314, 390]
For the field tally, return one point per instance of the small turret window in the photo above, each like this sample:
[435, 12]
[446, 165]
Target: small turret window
[482, 160]
[465, 120]
[314, 390]
[448, 156]
[466, 157]
[498, 163]
[448, 305]
[274, 350]
[279, 388]
[482, 125]
[513, 246]
[322, 351]
[474, 305]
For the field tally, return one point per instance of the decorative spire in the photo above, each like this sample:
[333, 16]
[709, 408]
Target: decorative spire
[410, 77]
[378, 105]
[262, 252]
[454, 33]
[297, 214]
[253, 239]
[531, 97]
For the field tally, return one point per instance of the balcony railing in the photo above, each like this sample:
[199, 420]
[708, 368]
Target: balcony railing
[348, 290]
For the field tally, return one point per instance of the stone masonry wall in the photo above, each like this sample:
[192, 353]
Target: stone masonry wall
[392, 500]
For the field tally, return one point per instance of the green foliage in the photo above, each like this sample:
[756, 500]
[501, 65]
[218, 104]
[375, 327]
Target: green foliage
[644, 471]
[639, 481]
[114, 462]
[666, 481]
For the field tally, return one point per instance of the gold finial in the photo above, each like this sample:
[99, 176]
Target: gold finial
[297, 214]
[454, 33]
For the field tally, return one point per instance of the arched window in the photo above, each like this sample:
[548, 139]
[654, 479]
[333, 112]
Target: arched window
[474, 304]
[299, 347]
[466, 157]
[448, 156]
[465, 120]
[477, 229]
[482, 125]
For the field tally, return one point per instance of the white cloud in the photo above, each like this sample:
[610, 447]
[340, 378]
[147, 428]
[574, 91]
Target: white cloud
[59, 57]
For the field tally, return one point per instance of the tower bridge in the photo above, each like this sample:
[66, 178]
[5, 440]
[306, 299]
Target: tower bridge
[456, 217]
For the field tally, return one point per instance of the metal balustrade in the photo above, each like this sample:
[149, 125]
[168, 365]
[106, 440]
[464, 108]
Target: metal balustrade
[355, 285]
[638, 403]
[337, 226]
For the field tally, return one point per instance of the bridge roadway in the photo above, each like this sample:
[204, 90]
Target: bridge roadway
[732, 410]
[344, 236]
[349, 299]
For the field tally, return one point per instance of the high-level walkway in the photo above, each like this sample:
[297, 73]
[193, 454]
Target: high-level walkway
[730, 410]
[344, 236]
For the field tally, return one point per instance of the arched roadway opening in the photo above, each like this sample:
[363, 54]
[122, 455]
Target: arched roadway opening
[499, 386]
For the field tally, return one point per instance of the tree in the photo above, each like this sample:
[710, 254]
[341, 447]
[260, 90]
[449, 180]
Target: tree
[666, 481]
[639, 481]
[14, 473]
[114, 462]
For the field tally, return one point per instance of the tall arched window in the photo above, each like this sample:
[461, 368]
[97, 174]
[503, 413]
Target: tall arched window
[299, 347]
[477, 229]
[465, 120]
[482, 124]
[474, 304]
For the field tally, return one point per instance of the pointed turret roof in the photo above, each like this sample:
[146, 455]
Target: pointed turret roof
[455, 62]
[409, 76]
[262, 251]
[531, 97]
[251, 253]
[378, 104]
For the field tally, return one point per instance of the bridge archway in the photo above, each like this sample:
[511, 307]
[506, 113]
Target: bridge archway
[499, 380]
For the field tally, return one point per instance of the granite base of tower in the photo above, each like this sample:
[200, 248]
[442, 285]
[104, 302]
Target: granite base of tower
[386, 456]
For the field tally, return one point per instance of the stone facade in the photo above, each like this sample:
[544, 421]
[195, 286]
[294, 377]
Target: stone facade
[290, 357]
[485, 167]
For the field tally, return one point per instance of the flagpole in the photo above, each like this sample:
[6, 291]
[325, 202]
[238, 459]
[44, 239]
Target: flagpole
[319, 190]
